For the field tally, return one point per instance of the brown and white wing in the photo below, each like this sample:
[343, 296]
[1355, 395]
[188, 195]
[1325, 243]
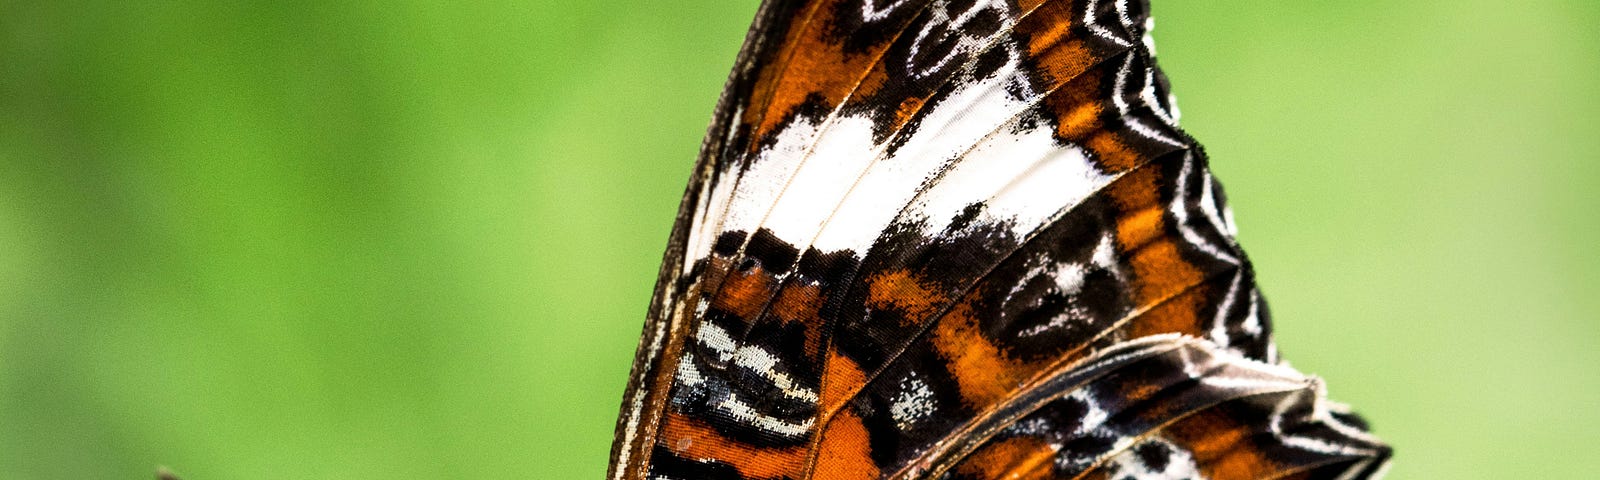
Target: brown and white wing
[963, 239]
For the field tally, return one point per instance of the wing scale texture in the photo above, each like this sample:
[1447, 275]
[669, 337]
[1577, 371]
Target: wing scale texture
[962, 239]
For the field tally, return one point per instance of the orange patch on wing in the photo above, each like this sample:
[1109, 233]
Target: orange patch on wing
[692, 439]
[1138, 228]
[1019, 458]
[1221, 446]
[1113, 154]
[1137, 191]
[1078, 121]
[903, 291]
[1059, 55]
[744, 293]
[841, 380]
[1078, 104]
[1141, 234]
[817, 65]
[1077, 107]
[1045, 28]
[1162, 272]
[1177, 315]
[983, 372]
[845, 452]
[876, 80]
[799, 304]
[1159, 271]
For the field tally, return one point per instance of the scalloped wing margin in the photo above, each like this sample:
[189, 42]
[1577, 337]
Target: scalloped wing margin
[910, 216]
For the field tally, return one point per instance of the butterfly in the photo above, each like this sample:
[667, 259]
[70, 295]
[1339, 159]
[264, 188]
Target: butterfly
[963, 239]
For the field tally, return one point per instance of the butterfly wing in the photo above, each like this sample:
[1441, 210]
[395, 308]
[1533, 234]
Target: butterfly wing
[964, 239]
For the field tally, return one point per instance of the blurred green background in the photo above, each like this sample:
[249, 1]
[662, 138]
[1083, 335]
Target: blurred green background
[417, 239]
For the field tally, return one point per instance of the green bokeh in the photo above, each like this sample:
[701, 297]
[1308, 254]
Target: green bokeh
[417, 239]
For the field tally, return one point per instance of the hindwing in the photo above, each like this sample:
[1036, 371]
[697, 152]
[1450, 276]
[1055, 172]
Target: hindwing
[962, 239]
